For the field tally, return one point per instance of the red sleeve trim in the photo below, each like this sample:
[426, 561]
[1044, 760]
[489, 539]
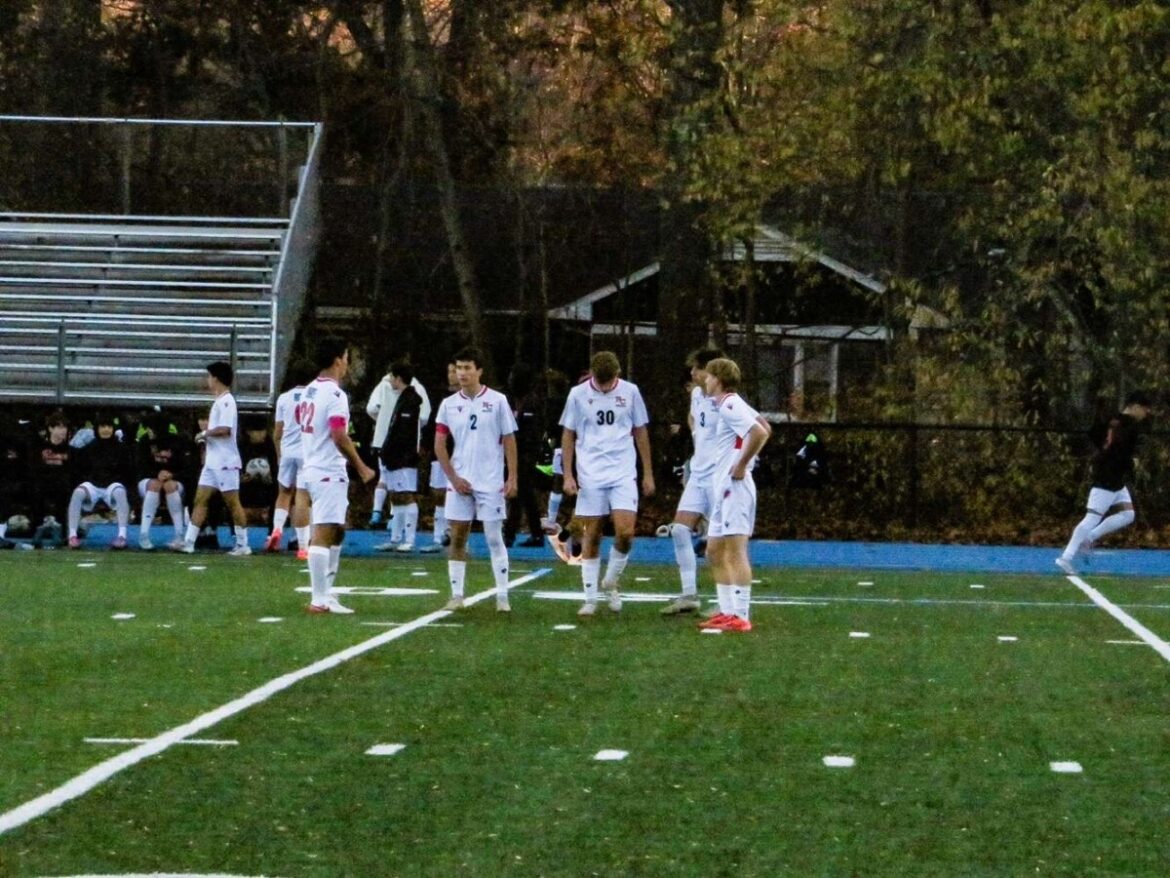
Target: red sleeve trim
[442, 429]
[337, 422]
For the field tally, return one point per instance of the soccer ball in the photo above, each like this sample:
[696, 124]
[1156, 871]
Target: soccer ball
[258, 468]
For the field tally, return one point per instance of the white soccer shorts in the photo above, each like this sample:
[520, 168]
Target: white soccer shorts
[95, 495]
[399, 481]
[482, 505]
[697, 498]
[734, 513]
[291, 473]
[142, 487]
[596, 502]
[223, 480]
[330, 501]
[438, 477]
[1101, 500]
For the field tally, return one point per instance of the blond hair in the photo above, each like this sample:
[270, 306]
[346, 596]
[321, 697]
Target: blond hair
[726, 371]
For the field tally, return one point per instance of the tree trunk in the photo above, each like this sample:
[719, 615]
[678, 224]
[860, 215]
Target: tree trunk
[425, 96]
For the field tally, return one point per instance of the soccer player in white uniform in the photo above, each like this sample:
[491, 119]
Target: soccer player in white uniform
[221, 465]
[293, 495]
[480, 422]
[697, 500]
[739, 436]
[604, 435]
[438, 484]
[324, 418]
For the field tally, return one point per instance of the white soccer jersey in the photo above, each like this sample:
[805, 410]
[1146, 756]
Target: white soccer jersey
[286, 414]
[478, 425]
[604, 422]
[223, 452]
[705, 418]
[736, 419]
[323, 408]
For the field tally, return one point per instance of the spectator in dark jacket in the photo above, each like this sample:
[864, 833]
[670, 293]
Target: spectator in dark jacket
[399, 458]
[105, 467]
[163, 461]
[55, 469]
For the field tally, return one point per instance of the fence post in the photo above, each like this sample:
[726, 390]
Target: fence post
[914, 475]
[282, 171]
[127, 147]
[232, 348]
[61, 362]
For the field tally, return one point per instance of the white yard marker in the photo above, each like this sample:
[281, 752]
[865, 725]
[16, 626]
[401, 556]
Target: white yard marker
[641, 579]
[710, 631]
[564, 627]
[270, 619]
[103, 771]
[1128, 642]
[196, 567]
[419, 573]
[756, 581]
[611, 755]
[978, 585]
[839, 761]
[1007, 639]
[373, 591]
[205, 742]
[385, 749]
[865, 583]
[399, 624]
[87, 564]
[1136, 627]
[122, 617]
[1066, 767]
[859, 634]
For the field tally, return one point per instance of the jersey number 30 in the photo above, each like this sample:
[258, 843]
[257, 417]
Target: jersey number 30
[604, 417]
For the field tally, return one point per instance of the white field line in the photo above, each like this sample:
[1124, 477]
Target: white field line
[103, 771]
[1135, 627]
[207, 742]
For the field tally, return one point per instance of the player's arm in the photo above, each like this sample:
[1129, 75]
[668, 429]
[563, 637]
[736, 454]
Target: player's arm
[277, 435]
[642, 443]
[568, 455]
[511, 459]
[757, 436]
[339, 433]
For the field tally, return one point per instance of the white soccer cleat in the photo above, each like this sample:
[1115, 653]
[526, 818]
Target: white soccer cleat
[186, 548]
[587, 609]
[176, 545]
[333, 606]
[684, 604]
[144, 542]
[502, 605]
[613, 597]
[456, 603]
[240, 551]
[404, 547]
[431, 548]
[1066, 565]
[549, 526]
[386, 547]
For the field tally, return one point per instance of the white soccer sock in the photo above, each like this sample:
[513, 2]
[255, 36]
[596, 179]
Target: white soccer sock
[303, 537]
[279, 517]
[121, 504]
[615, 566]
[554, 505]
[74, 515]
[741, 600]
[456, 572]
[726, 599]
[440, 523]
[684, 554]
[192, 534]
[1082, 532]
[409, 522]
[3, 529]
[319, 573]
[1114, 522]
[178, 513]
[334, 565]
[380, 495]
[149, 509]
[397, 523]
[590, 573]
[241, 536]
[493, 532]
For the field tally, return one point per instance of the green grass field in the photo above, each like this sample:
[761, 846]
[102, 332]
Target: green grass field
[951, 728]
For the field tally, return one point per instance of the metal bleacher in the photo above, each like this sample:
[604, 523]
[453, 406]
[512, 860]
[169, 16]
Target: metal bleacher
[126, 309]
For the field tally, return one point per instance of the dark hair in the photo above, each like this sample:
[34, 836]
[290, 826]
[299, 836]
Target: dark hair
[57, 419]
[328, 350]
[703, 356]
[402, 369]
[105, 419]
[605, 366]
[221, 372]
[469, 355]
[1139, 397]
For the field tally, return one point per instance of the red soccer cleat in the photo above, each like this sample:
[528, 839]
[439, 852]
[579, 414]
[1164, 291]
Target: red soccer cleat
[302, 554]
[272, 544]
[715, 621]
[733, 623]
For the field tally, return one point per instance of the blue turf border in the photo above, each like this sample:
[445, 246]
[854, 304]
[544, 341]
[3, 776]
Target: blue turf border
[778, 553]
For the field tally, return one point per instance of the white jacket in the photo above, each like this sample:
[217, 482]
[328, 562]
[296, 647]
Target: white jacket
[381, 407]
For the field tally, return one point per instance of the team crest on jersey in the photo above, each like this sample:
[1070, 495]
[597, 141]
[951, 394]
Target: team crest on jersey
[487, 406]
[310, 393]
[620, 401]
[459, 409]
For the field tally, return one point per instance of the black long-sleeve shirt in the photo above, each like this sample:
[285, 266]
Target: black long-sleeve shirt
[1117, 442]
